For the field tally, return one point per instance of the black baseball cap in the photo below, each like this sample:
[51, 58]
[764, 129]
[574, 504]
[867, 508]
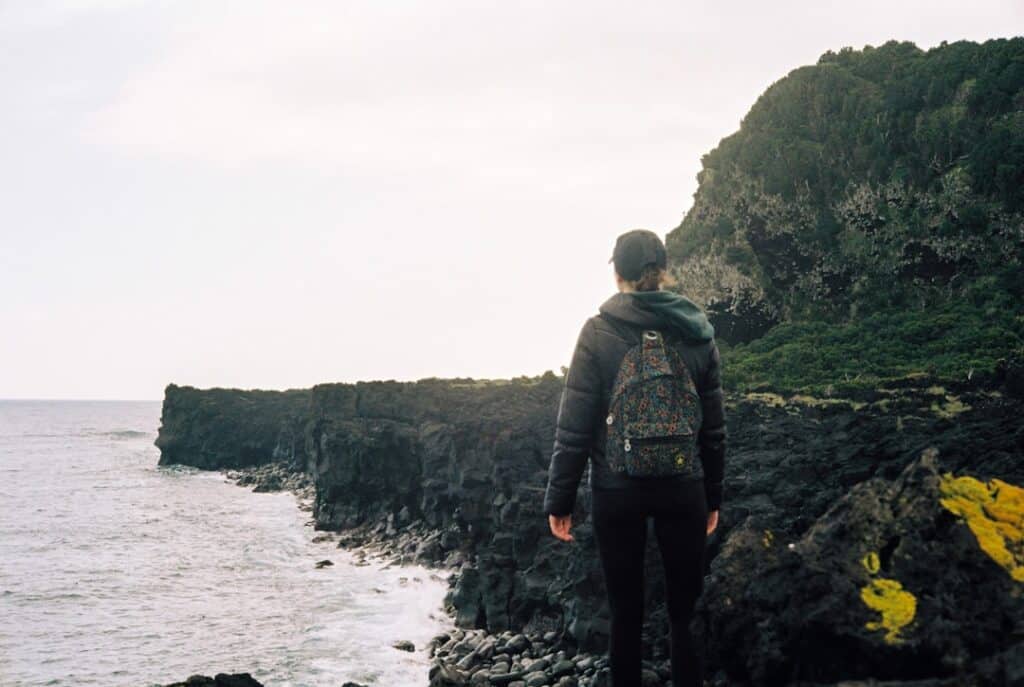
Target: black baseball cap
[636, 249]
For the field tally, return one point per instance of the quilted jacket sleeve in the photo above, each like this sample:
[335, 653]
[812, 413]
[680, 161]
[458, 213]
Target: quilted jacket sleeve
[574, 428]
[712, 431]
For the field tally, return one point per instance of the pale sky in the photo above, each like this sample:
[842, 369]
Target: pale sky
[276, 194]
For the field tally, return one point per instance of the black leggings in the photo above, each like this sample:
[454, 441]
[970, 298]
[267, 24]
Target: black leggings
[620, 528]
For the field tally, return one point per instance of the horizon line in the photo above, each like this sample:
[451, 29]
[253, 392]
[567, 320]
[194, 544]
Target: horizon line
[86, 400]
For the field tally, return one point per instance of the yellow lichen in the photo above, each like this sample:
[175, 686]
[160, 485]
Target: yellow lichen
[817, 402]
[994, 512]
[778, 400]
[896, 605]
[888, 597]
[767, 398]
[768, 538]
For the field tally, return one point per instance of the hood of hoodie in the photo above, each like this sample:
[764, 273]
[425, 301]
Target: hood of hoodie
[660, 310]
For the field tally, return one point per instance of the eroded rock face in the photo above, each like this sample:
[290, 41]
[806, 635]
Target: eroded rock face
[231, 428]
[470, 460]
[454, 472]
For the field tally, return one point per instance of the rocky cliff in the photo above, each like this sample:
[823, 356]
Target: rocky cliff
[840, 553]
[231, 428]
[876, 178]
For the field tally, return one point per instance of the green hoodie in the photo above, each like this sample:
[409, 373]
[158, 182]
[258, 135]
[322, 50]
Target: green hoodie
[646, 308]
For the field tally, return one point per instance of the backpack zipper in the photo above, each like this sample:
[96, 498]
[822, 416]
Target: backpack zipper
[668, 439]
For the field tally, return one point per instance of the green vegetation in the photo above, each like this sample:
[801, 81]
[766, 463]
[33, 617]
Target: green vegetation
[867, 220]
[522, 380]
[950, 341]
[876, 176]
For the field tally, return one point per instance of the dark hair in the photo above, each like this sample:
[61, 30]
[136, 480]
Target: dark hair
[652, 278]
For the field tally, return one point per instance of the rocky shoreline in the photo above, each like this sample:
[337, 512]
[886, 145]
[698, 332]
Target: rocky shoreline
[229, 680]
[835, 559]
[463, 656]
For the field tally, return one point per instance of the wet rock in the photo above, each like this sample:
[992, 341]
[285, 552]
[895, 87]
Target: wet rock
[507, 678]
[584, 663]
[442, 675]
[518, 643]
[219, 680]
[439, 639]
[468, 661]
[537, 664]
[563, 667]
[536, 678]
[429, 550]
[324, 563]
[602, 678]
[404, 645]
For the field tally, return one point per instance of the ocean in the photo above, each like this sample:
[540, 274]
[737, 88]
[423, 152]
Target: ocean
[114, 571]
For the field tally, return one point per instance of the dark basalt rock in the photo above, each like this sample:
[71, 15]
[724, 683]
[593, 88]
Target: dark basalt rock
[231, 428]
[452, 473]
[1010, 373]
[219, 680]
[805, 599]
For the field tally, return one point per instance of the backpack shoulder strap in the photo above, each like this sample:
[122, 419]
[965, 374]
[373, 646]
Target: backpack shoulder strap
[625, 332]
[679, 366]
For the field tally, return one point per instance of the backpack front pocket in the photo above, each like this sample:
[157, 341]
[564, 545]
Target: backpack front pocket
[658, 449]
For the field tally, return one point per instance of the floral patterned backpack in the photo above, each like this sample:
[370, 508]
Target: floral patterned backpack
[654, 413]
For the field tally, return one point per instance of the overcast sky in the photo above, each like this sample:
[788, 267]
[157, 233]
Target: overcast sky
[276, 194]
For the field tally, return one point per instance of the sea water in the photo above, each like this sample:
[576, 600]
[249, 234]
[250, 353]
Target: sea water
[114, 571]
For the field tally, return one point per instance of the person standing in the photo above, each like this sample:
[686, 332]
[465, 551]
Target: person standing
[643, 404]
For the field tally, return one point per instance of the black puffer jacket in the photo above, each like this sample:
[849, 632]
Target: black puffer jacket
[580, 430]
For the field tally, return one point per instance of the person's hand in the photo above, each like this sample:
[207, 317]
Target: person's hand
[712, 521]
[560, 525]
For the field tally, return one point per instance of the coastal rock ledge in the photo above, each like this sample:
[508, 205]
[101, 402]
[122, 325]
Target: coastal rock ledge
[871, 540]
[219, 680]
[230, 680]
